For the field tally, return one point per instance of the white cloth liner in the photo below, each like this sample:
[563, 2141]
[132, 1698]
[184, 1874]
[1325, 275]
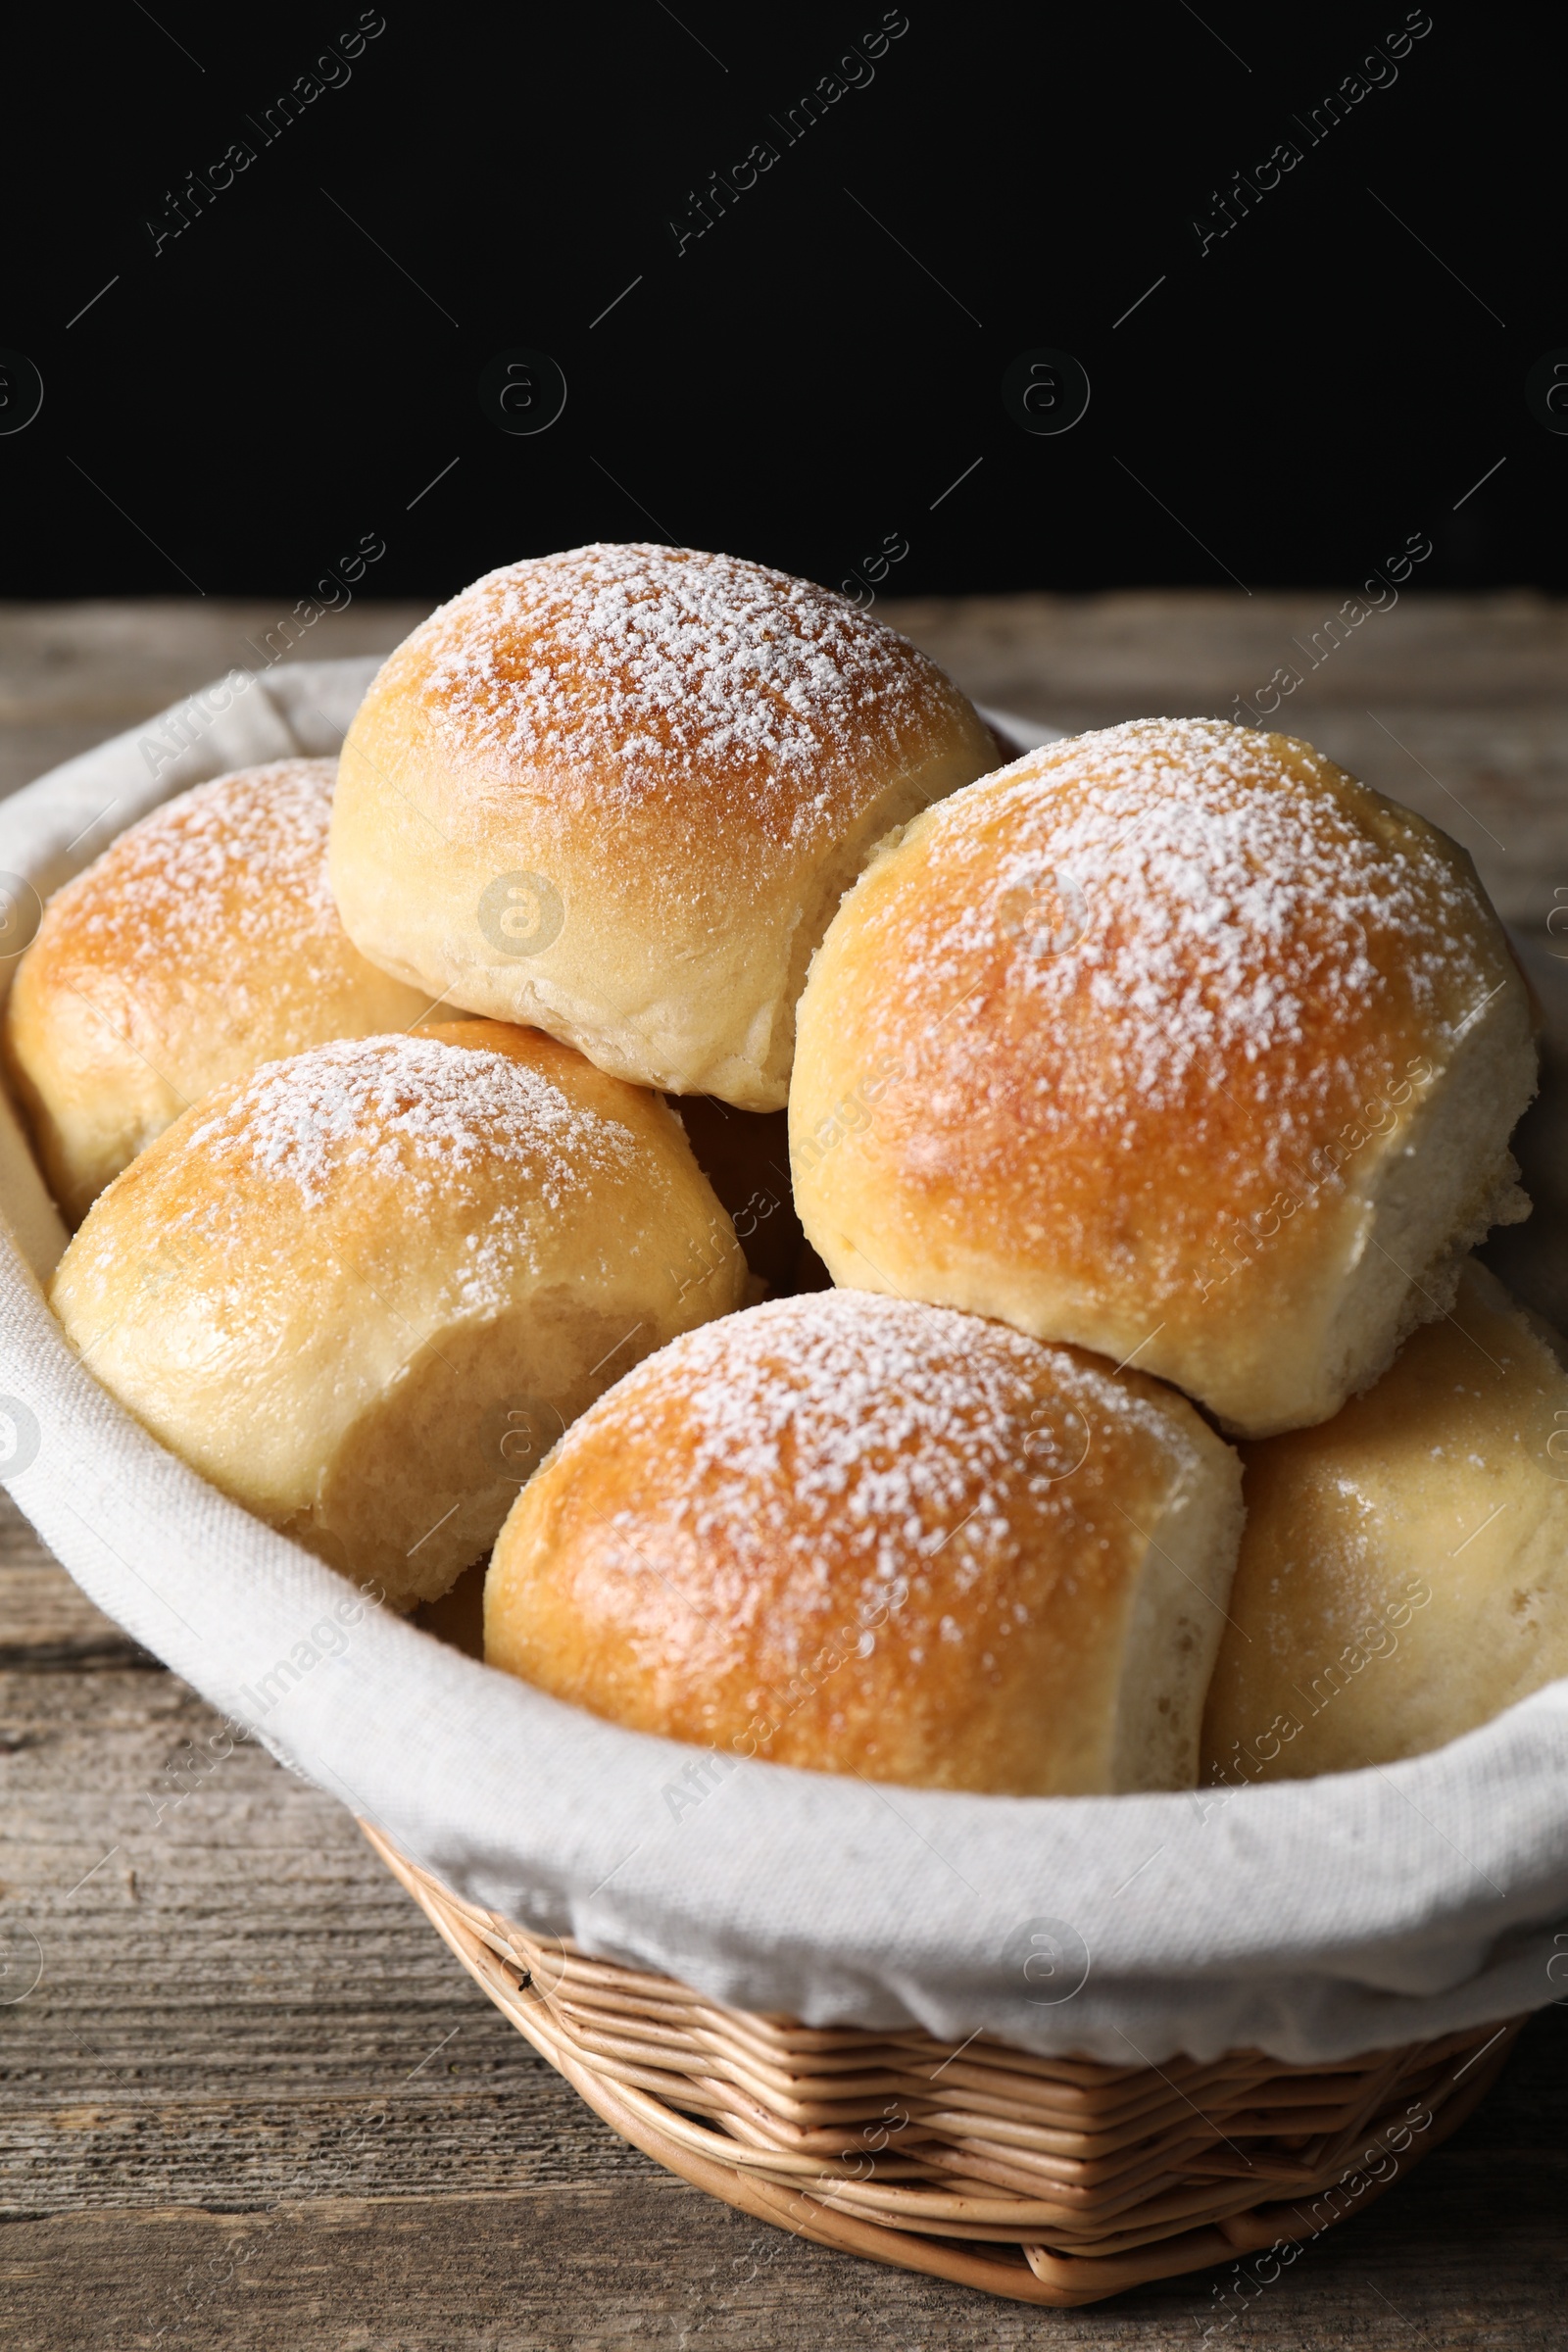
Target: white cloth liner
[1310, 1919]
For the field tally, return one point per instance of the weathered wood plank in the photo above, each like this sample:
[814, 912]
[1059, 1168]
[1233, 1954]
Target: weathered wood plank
[71, 674]
[1467, 2256]
[234, 2003]
[1199, 649]
[45, 1620]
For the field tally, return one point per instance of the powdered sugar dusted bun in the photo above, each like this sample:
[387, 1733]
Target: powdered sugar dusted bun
[863, 1535]
[1404, 1572]
[364, 1289]
[202, 942]
[1177, 1042]
[618, 793]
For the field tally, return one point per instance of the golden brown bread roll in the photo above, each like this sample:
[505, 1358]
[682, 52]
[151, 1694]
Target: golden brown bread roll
[202, 942]
[618, 793]
[364, 1290]
[1175, 1041]
[863, 1534]
[1405, 1571]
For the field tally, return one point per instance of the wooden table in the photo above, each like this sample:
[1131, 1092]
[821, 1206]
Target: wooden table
[251, 2100]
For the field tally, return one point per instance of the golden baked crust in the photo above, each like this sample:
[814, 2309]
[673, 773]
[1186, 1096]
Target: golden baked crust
[1173, 1041]
[863, 1534]
[616, 792]
[202, 942]
[364, 1290]
[1405, 1571]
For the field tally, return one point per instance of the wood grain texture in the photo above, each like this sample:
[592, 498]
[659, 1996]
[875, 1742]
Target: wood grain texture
[251, 2100]
[71, 674]
[651, 2266]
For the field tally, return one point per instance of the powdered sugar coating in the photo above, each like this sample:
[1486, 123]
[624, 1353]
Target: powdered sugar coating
[432, 1119]
[635, 671]
[853, 1434]
[1175, 946]
[1229, 912]
[241, 859]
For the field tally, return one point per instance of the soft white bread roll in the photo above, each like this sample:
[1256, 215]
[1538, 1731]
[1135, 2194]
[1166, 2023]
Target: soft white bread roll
[202, 943]
[1175, 1041]
[863, 1535]
[362, 1290]
[1405, 1571]
[618, 793]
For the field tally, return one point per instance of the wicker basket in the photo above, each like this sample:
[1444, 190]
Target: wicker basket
[1047, 2180]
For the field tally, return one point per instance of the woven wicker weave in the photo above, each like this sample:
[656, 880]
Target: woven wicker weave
[1047, 2180]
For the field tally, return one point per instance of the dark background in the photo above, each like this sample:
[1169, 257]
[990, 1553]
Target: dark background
[805, 381]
